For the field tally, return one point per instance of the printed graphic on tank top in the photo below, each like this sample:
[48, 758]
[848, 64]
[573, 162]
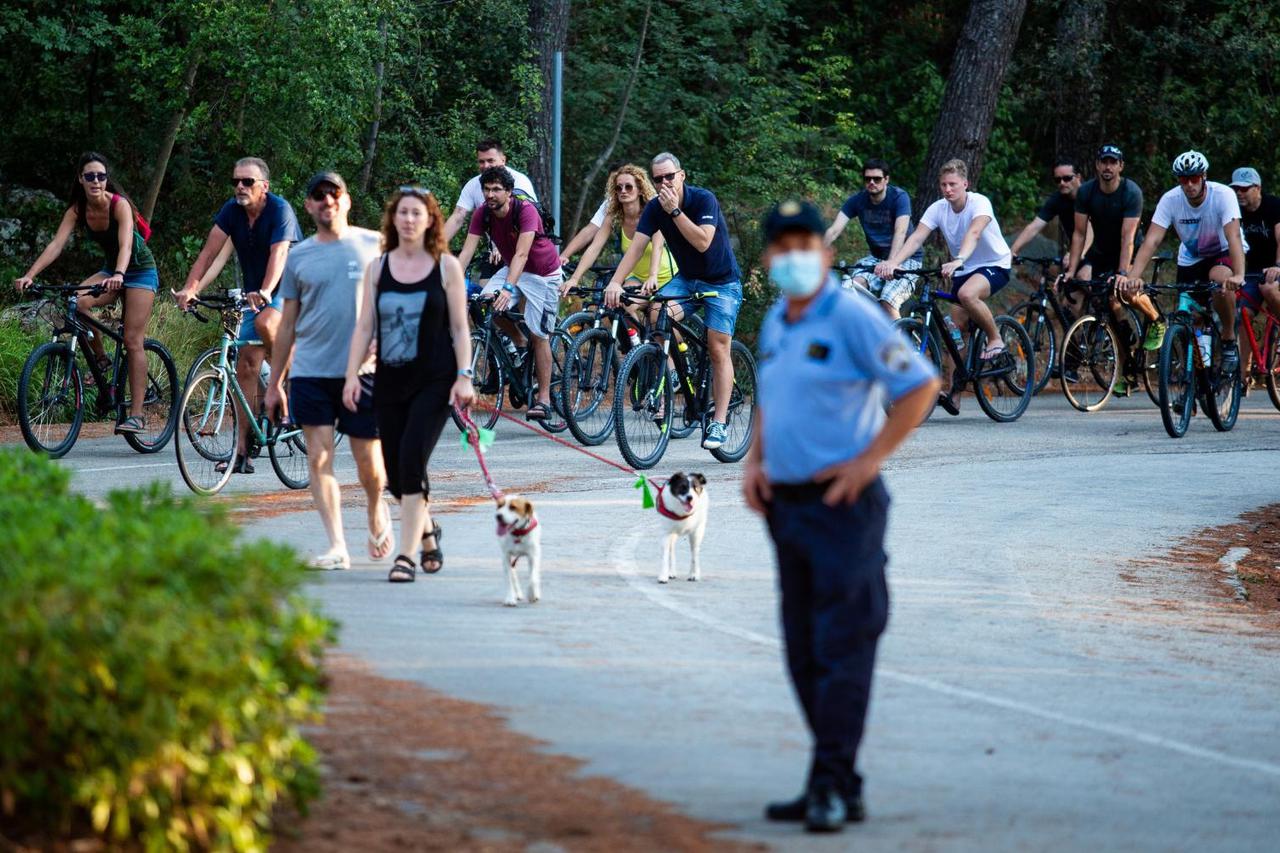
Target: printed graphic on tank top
[400, 315]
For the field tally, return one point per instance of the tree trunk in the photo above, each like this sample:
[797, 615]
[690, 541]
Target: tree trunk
[371, 142]
[1075, 70]
[549, 28]
[617, 126]
[968, 106]
[170, 136]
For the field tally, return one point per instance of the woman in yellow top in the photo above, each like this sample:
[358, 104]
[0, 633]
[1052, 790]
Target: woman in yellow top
[629, 191]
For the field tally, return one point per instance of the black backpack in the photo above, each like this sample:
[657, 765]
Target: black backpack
[519, 198]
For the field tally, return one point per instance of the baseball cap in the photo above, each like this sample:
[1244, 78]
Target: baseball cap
[1110, 151]
[793, 215]
[326, 178]
[1246, 176]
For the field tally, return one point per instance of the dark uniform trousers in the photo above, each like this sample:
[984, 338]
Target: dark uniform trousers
[835, 604]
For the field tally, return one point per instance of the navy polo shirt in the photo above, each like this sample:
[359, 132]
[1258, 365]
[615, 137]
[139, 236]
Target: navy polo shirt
[714, 266]
[276, 223]
[824, 380]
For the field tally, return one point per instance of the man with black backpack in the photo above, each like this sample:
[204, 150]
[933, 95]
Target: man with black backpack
[530, 274]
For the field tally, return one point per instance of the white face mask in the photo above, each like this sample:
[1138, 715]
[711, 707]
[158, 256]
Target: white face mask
[797, 273]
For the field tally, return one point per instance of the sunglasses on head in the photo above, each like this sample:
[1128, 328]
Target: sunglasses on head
[321, 193]
[662, 179]
[244, 182]
[417, 192]
[1064, 179]
[95, 177]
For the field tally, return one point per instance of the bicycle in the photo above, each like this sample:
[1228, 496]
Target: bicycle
[51, 390]
[1265, 355]
[210, 416]
[848, 272]
[1100, 347]
[1190, 366]
[501, 371]
[1003, 385]
[644, 400]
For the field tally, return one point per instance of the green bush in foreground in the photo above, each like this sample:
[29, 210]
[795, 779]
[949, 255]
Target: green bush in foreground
[154, 669]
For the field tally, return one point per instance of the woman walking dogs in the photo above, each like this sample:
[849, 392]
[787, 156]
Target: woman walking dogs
[108, 217]
[414, 297]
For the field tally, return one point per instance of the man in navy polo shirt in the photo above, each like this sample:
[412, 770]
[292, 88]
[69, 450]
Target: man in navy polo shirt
[828, 357]
[689, 218]
[261, 226]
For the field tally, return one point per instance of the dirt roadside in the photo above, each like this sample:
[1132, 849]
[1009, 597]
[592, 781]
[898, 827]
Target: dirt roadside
[1241, 559]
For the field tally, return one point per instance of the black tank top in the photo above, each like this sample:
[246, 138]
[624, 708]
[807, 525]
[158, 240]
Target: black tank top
[109, 241]
[415, 347]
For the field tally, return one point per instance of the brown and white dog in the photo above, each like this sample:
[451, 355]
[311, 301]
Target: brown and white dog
[683, 503]
[519, 535]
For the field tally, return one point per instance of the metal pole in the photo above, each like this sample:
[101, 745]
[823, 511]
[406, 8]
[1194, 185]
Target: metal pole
[557, 110]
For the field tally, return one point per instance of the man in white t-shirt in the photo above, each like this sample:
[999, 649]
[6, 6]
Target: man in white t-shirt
[980, 259]
[489, 153]
[1206, 215]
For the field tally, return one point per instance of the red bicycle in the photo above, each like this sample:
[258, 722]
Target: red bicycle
[1265, 359]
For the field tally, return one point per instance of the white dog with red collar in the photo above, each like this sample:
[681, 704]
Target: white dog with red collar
[682, 502]
[519, 535]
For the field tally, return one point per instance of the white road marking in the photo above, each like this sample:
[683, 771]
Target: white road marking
[622, 558]
[123, 467]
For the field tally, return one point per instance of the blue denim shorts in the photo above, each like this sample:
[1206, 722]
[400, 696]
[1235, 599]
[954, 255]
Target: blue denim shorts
[249, 334]
[147, 279]
[721, 310]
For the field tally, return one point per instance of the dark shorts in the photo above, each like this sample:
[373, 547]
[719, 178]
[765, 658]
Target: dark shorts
[1199, 271]
[1103, 265]
[318, 402]
[997, 277]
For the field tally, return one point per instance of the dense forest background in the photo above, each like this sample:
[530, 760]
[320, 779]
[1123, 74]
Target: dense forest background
[760, 98]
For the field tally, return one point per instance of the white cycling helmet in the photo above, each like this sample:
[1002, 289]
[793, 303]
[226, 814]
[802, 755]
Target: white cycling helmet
[1190, 163]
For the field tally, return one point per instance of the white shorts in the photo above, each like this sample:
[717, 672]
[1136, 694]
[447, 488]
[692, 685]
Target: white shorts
[539, 294]
[895, 291]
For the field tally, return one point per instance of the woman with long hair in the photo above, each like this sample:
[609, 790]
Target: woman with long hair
[629, 191]
[109, 218]
[414, 298]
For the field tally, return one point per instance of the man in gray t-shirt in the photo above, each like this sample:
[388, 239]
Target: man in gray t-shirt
[321, 289]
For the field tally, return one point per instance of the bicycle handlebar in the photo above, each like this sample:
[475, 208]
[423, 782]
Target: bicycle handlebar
[38, 289]
[1042, 262]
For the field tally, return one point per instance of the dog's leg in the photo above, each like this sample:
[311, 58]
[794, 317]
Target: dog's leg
[695, 553]
[513, 583]
[535, 575]
[668, 558]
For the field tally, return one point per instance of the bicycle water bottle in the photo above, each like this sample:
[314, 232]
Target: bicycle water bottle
[234, 294]
[633, 336]
[957, 337]
[1206, 346]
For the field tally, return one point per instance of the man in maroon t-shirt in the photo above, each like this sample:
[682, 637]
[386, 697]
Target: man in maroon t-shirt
[530, 273]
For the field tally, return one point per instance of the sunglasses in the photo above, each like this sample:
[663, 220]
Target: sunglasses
[625, 188]
[244, 182]
[417, 192]
[321, 193]
[94, 177]
[1064, 179]
[662, 179]
[874, 179]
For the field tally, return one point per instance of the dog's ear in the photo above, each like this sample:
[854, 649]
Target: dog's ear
[698, 481]
[522, 507]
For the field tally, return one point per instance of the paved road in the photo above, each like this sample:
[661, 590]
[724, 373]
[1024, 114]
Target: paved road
[1042, 685]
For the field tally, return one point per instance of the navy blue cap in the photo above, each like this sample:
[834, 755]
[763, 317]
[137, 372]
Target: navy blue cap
[793, 215]
[1110, 152]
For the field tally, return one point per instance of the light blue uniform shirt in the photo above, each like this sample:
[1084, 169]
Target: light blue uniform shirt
[824, 380]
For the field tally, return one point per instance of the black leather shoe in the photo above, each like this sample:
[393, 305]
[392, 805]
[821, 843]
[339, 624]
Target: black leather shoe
[793, 811]
[826, 811]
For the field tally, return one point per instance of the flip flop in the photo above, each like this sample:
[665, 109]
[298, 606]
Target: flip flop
[330, 560]
[380, 543]
[992, 352]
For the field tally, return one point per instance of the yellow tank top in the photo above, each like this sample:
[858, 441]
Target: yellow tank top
[666, 269]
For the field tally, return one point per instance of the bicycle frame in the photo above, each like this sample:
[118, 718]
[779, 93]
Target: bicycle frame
[1247, 312]
[697, 394]
[80, 327]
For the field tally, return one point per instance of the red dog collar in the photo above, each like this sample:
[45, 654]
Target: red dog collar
[666, 513]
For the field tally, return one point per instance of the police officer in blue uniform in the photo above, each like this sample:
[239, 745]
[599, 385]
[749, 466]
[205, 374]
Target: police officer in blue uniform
[828, 358]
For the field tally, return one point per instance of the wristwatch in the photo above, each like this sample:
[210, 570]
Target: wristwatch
[118, 272]
[675, 211]
[467, 372]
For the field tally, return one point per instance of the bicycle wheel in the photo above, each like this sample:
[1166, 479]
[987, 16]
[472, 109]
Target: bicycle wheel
[559, 342]
[489, 381]
[159, 409]
[1089, 363]
[1177, 379]
[643, 394]
[1044, 339]
[586, 395]
[684, 411]
[577, 323]
[922, 341]
[1271, 356]
[1004, 386]
[207, 436]
[1222, 405]
[740, 421]
[206, 360]
[288, 451]
[50, 399]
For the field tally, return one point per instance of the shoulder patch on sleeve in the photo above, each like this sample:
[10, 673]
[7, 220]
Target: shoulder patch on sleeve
[895, 355]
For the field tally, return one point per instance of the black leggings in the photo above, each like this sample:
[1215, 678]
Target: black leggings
[409, 430]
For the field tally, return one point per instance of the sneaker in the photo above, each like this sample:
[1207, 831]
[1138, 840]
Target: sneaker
[1121, 388]
[715, 435]
[1230, 357]
[1155, 336]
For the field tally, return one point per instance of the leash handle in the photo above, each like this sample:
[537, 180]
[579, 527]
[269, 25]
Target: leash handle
[473, 438]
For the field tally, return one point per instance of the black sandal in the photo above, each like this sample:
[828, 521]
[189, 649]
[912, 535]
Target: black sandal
[242, 465]
[538, 412]
[434, 555]
[402, 570]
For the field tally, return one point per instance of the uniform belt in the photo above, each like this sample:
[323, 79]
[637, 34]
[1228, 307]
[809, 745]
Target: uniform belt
[798, 492]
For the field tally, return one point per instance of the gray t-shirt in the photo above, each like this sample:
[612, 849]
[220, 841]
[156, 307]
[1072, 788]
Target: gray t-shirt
[323, 278]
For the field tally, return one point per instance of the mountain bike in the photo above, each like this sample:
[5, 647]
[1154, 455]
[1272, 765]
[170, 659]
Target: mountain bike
[1264, 348]
[210, 417]
[52, 396]
[1191, 366]
[1003, 385]
[1038, 315]
[644, 402]
[1099, 348]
